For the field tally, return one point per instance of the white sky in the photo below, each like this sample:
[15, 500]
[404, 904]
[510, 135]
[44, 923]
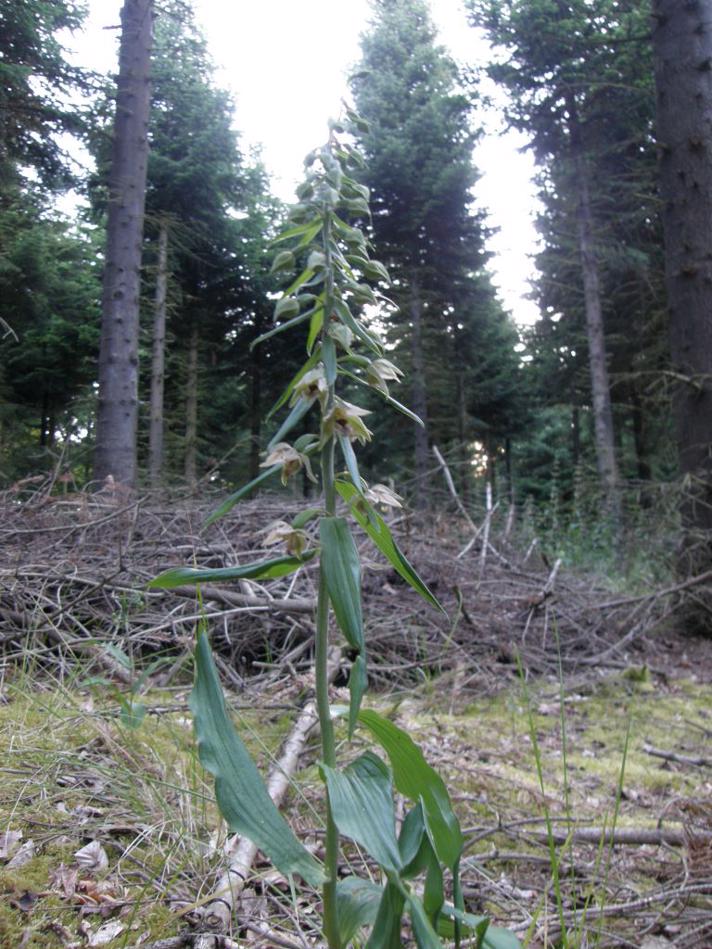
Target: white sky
[286, 87]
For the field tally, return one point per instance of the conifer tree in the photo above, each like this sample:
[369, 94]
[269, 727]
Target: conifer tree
[420, 174]
[117, 417]
[565, 68]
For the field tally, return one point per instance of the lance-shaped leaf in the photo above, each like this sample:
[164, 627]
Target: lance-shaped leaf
[240, 791]
[358, 683]
[230, 502]
[328, 355]
[345, 315]
[398, 406]
[425, 935]
[306, 231]
[262, 570]
[361, 799]
[357, 902]
[315, 325]
[489, 937]
[342, 574]
[347, 450]
[417, 780]
[378, 531]
[386, 932]
[295, 321]
[299, 410]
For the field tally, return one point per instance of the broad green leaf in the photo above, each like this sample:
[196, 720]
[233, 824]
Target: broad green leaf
[410, 840]
[425, 935]
[315, 325]
[344, 314]
[242, 492]
[415, 844]
[357, 905]
[328, 355]
[361, 799]
[386, 932]
[417, 780]
[491, 937]
[281, 328]
[284, 397]
[378, 531]
[342, 574]
[299, 410]
[239, 790]
[263, 570]
[349, 454]
[358, 683]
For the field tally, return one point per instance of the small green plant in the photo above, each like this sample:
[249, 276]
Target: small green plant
[335, 271]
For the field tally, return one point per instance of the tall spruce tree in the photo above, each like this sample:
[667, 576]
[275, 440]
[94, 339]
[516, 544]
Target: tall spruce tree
[420, 174]
[117, 416]
[565, 70]
[194, 180]
[683, 55]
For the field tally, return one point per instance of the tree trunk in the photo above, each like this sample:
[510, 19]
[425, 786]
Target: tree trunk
[682, 47]
[191, 410]
[600, 387]
[575, 435]
[117, 416]
[419, 395]
[464, 475]
[158, 362]
[255, 413]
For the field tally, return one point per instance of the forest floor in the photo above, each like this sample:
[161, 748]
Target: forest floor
[571, 721]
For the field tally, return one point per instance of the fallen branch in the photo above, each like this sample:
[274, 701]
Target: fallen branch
[210, 592]
[451, 488]
[679, 759]
[621, 836]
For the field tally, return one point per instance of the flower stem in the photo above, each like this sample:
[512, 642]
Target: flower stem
[328, 744]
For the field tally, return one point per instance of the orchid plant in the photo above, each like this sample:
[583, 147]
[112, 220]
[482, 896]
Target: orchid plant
[330, 280]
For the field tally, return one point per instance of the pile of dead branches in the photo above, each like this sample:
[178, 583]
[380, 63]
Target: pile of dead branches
[76, 567]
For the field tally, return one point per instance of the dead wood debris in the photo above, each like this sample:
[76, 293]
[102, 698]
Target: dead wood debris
[76, 567]
[74, 579]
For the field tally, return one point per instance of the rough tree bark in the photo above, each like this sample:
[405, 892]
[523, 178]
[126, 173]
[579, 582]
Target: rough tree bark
[191, 410]
[682, 47]
[600, 385]
[419, 395]
[158, 362]
[117, 416]
[255, 412]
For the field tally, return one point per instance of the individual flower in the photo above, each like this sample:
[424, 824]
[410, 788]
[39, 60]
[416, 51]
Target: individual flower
[382, 371]
[342, 334]
[311, 386]
[279, 532]
[347, 420]
[383, 496]
[290, 459]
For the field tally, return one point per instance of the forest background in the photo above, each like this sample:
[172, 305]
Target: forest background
[557, 416]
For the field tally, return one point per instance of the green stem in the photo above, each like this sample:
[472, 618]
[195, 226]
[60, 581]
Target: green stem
[328, 743]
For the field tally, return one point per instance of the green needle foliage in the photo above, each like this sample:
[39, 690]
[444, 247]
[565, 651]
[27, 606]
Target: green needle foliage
[337, 279]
